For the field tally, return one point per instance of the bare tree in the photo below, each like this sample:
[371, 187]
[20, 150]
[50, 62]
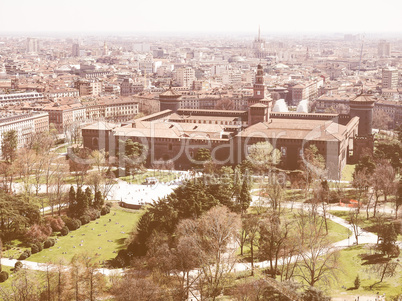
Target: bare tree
[354, 220]
[252, 226]
[318, 258]
[59, 171]
[274, 233]
[214, 234]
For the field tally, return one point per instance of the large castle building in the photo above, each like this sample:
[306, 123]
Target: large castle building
[176, 134]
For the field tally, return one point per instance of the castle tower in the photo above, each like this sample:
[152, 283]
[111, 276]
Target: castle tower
[258, 113]
[259, 88]
[362, 107]
[169, 100]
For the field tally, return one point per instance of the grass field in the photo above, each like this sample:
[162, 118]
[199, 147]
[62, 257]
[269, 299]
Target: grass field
[101, 238]
[352, 265]
[347, 173]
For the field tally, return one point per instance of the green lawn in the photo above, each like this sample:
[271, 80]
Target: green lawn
[347, 173]
[351, 266]
[61, 150]
[365, 223]
[100, 238]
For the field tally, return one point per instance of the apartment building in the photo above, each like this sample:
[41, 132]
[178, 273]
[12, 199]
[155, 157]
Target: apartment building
[384, 49]
[88, 87]
[18, 98]
[63, 116]
[390, 78]
[24, 124]
[308, 90]
[185, 77]
[59, 93]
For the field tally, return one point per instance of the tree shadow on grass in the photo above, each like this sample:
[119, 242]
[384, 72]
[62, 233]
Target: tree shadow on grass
[376, 286]
[120, 243]
[373, 258]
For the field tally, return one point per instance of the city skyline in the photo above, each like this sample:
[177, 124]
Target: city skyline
[207, 16]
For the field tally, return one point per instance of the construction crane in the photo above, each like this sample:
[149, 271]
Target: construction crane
[361, 55]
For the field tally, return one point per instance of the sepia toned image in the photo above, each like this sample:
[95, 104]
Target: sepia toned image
[200, 150]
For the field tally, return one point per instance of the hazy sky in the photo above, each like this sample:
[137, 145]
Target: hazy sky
[354, 16]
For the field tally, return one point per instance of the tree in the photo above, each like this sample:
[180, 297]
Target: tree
[361, 182]
[357, 282]
[274, 234]
[251, 226]
[387, 240]
[80, 164]
[274, 190]
[354, 220]
[382, 182]
[9, 144]
[313, 166]
[16, 214]
[132, 155]
[72, 201]
[214, 234]
[201, 157]
[314, 294]
[245, 196]
[134, 286]
[263, 156]
[319, 260]
[57, 188]
[381, 120]
[398, 198]
[24, 286]
[366, 162]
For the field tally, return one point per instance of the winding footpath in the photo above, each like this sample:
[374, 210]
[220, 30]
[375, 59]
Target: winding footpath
[364, 238]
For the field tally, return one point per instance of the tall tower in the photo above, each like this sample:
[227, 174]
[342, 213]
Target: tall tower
[32, 45]
[362, 107]
[169, 100]
[259, 106]
[259, 88]
[75, 51]
[105, 49]
[259, 46]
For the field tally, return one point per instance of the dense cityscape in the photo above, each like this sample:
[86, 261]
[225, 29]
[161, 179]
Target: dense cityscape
[200, 166]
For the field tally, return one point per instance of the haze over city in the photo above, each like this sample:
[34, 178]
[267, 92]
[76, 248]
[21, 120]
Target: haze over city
[201, 16]
[200, 150]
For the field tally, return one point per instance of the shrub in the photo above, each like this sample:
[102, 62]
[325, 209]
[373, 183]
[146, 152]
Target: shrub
[98, 214]
[39, 245]
[108, 204]
[64, 231]
[73, 224]
[49, 243]
[105, 210]
[38, 233]
[357, 282]
[34, 249]
[56, 223]
[17, 266]
[93, 213]
[85, 219]
[3, 276]
[25, 255]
